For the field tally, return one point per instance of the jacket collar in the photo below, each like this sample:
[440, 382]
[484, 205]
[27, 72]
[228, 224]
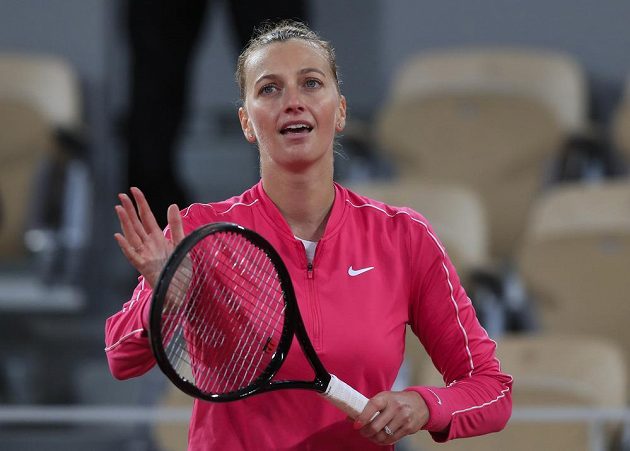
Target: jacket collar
[272, 214]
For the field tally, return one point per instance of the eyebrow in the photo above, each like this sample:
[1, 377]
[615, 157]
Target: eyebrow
[306, 70]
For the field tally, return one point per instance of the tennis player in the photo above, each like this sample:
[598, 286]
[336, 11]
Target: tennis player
[362, 271]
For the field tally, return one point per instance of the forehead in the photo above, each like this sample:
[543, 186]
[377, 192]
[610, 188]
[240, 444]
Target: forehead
[286, 56]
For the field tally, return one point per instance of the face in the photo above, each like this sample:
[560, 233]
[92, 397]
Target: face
[292, 107]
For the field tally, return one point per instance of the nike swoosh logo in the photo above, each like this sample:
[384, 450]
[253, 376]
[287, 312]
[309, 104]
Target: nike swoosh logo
[356, 272]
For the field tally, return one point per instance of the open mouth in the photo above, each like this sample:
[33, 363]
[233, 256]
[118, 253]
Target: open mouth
[296, 129]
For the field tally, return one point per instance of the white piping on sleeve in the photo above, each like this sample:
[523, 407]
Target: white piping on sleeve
[125, 337]
[459, 322]
[135, 298]
[485, 404]
[439, 400]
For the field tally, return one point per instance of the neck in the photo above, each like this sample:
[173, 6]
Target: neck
[304, 199]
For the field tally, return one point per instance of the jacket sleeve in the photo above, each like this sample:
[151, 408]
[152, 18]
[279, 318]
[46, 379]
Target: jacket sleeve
[127, 344]
[476, 398]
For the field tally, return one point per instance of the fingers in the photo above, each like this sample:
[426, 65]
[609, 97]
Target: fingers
[129, 229]
[175, 223]
[372, 421]
[374, 418]
[146, 215]
[125, 247]
[142, 241]
[137, 225]
[134, 231]
[397, 414]
[369, 414]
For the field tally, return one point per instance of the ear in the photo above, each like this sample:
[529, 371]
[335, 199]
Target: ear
[340, 123]
[246, 125]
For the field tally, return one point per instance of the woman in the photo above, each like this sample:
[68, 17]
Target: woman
[362, 270]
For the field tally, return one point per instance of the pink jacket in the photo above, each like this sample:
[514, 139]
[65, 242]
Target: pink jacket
[355, 318]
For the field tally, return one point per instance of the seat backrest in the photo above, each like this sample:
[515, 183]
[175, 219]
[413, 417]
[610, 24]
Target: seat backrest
[575, 258]
[455, 212]
[549, 370]
[492, 120]
[25, 140]
[47, 83]
[564, 370]
[497, 145]
[621, 125]
[554, 78]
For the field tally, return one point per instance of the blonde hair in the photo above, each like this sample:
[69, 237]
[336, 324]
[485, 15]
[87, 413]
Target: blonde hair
[280, 32]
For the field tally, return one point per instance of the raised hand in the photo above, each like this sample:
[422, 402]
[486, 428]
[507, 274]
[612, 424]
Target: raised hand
[142, 241]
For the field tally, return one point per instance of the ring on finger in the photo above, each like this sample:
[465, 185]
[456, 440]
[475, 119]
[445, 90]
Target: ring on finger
[388, 431]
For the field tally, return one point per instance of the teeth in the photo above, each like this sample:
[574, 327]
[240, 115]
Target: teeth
[295, 127]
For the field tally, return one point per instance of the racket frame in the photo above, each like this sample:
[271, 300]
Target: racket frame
[290, 327]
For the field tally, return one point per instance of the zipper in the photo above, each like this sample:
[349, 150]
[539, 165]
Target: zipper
[314, 307]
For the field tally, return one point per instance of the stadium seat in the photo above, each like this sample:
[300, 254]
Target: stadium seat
[26, 142]
[549, 371]
[173, 436]
[51, 208]
[575, 256]
[621, 126]
[45, 216]
[490, 119]
[47, 83]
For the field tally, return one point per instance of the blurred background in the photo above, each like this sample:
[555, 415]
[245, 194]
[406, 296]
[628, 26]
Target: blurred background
[507, 124]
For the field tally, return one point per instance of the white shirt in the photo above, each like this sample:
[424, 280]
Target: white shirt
[309, 247]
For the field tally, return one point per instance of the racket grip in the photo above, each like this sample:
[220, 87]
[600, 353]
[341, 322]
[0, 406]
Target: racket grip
[345, 397]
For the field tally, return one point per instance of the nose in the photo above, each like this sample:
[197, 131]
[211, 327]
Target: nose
[293, 100]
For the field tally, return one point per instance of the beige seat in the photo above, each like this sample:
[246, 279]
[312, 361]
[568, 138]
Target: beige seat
[491, 120]
[621, 125]
[554, 78]
[26, 140]
[47, 83]
[173, 436]
[548, 370]
[575, 259]
[55, 211]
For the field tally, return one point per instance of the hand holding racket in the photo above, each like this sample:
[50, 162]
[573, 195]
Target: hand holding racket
[231, 327]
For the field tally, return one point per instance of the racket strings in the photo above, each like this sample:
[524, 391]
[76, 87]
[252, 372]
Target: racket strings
[248, 343]
[225, 314]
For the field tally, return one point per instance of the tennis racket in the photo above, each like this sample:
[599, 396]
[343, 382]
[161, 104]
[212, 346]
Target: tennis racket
[223, 317]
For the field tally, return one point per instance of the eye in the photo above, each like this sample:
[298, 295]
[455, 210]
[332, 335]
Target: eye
[312, 83]
[268, 89]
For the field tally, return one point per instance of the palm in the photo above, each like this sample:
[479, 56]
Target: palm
[142, 240]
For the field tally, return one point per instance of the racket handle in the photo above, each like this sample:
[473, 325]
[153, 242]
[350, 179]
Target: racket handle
[345, 397]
